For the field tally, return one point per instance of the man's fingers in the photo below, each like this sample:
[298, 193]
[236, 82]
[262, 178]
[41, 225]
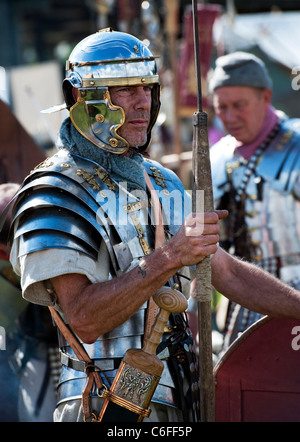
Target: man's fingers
[206, 217]
[222, 213]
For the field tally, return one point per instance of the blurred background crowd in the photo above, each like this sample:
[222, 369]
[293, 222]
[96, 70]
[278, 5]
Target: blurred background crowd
[38, 35]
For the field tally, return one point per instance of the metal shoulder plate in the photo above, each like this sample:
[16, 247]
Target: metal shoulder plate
[71, 202]
[281, 162]
[64, 203]
[220, 154]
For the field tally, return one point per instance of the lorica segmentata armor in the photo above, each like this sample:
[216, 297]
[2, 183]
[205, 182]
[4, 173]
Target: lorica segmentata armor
[262, 197]
[271, 208]
[70, 202]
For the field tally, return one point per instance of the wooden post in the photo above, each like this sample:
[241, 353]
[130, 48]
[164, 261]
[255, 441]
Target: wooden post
[203, 182]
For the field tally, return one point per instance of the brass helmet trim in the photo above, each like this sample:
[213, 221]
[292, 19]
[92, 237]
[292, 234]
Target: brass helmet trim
[133, 81]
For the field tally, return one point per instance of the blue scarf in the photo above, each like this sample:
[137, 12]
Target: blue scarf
[120, 168]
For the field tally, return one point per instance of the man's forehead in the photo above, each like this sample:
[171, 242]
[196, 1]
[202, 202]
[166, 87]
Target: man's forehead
[131, 86]
[233, 93]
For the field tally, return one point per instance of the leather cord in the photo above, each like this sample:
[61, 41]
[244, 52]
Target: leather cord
[152, 309]
[92, 372]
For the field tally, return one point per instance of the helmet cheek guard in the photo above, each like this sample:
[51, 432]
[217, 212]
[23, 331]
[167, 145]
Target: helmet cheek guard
[98, 120]
[105, 59]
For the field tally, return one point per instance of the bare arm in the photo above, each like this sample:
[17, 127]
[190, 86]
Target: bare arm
[255, 289]
[94, 309]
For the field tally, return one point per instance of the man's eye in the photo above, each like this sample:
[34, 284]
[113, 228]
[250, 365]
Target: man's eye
[123, 90]
[239, 105]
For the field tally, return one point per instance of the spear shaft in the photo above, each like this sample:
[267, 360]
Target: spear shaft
[202, 189]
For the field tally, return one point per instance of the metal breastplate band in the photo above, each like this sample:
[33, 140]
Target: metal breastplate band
[73, 382]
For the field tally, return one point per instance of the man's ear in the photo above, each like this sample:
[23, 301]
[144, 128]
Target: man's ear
[267, 95]
[75, 94]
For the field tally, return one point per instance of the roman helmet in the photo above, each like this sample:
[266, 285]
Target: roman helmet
[107, 58]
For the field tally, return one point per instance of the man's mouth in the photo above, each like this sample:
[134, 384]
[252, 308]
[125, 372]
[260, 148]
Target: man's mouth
[234, 130]
[139, 122]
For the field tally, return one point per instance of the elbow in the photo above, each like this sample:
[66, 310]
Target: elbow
[85, 336]
[88, 338]
[83, 330]
[87, 327]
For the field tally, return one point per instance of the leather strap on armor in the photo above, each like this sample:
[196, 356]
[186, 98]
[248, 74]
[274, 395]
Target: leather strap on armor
[159, 240]
[92, 371]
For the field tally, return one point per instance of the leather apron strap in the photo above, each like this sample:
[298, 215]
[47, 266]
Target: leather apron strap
[152, 309]
[92, 372]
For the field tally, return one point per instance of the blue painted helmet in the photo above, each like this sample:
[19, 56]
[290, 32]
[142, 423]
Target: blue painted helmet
[107, 58]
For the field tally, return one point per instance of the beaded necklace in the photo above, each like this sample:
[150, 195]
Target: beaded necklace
[251, 163]
[237, 228]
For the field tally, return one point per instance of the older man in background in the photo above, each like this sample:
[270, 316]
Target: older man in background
[255, 175]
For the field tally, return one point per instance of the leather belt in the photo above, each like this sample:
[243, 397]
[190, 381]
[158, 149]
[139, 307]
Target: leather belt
[78, 365]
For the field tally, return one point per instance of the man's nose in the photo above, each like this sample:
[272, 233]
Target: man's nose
[230, 115]
[143, 98]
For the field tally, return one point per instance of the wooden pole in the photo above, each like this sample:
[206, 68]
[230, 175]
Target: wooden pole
[202, 196]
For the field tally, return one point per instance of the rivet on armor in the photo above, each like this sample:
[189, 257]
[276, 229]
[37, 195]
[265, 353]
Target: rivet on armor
[99, 118]
[92, 83]
[113, 142]
[143, 80]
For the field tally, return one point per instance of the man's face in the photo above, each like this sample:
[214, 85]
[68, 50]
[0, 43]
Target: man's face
[136, 103]
[242, 110]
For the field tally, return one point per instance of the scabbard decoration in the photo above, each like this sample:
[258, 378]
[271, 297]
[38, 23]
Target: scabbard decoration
[131, 392]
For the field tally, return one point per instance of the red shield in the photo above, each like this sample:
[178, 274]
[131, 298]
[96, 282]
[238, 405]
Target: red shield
[258, 378]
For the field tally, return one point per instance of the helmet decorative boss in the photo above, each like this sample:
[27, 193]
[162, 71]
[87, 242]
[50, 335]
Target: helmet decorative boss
[107, 58]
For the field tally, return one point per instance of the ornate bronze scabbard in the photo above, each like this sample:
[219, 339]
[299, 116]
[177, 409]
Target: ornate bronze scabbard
[131, 392]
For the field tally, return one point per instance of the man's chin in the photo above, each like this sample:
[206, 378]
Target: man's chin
[136, 141]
